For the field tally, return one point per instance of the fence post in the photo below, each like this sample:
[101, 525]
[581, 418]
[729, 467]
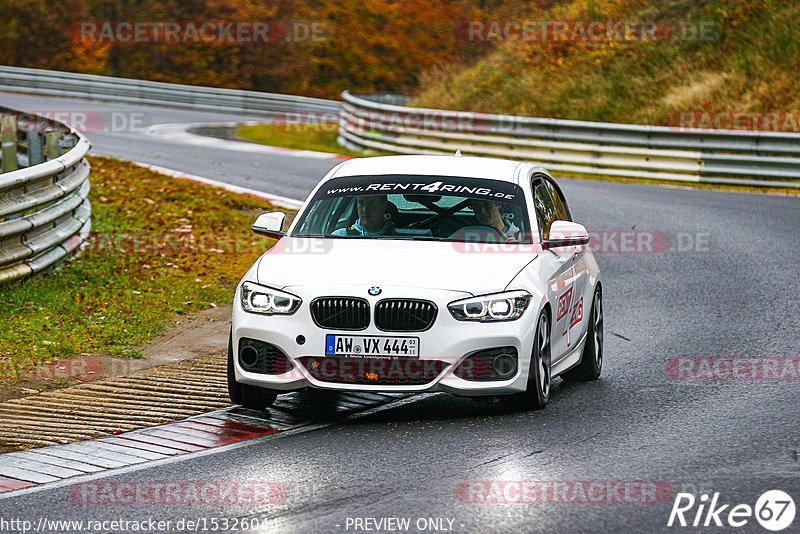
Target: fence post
[51, 143]
[35, 148]
[8, 127]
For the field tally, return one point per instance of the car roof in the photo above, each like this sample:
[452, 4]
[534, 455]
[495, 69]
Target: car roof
[467, 166]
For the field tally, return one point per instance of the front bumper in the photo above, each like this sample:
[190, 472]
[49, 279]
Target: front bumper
[448, 341]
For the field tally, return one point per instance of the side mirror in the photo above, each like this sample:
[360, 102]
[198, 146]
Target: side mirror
[270, 224]
[566, 234]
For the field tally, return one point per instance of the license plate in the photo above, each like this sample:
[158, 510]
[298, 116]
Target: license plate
[371, 346]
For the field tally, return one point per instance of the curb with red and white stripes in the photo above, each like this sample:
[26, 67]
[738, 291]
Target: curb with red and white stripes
[32, 468]
[64, 420]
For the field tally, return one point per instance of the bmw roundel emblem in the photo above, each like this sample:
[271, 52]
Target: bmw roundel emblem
[374, 291]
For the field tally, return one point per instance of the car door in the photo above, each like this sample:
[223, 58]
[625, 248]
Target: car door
[581, 301]
[560, 272]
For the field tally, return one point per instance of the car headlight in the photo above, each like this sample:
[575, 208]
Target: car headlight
[261, 299]
[506, 306]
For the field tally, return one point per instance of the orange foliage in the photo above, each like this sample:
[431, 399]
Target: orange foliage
[363, 45]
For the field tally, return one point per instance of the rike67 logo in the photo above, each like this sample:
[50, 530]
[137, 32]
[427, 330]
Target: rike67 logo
[774, 510]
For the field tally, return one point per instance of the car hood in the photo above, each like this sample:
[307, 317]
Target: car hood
[476, 269]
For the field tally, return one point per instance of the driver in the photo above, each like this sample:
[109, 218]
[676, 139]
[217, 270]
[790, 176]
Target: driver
[487, 213]
[373, 218]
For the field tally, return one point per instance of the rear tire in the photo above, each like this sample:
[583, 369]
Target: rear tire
[592, 356]
[537, 393]
[251, 397]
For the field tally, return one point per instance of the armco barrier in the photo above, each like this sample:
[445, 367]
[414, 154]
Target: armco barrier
[383, 123]
[44, 208]
[728, 157]
[127, 90]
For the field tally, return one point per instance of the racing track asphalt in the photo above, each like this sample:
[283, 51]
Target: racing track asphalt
[734, 296]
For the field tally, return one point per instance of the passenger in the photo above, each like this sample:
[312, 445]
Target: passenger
[374, 218]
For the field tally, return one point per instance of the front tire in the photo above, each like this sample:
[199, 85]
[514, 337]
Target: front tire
[251, 397]
[537, 393]
[592, 357]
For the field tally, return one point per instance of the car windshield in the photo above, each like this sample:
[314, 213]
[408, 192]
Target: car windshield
[443, 208]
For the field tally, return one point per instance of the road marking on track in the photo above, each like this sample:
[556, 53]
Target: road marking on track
[179, 132]
[388, 401]
[275, 200]
[117, 415]
[147, 416]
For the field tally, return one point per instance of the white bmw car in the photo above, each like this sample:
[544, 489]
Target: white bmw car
[418, 274]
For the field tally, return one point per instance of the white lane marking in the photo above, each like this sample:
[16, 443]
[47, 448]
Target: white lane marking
[178, 132]
[283, 202]
[302, 429]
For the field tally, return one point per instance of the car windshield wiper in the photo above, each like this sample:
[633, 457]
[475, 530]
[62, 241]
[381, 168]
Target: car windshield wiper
[317, 235]
[367, 236]
[411, 238]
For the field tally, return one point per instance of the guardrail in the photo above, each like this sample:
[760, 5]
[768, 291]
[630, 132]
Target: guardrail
[112, 89]
[728, 157]
[383, 123]
[44, 208]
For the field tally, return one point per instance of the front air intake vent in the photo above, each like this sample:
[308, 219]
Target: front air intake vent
[340, 313]
[263, 358]
[405, 315]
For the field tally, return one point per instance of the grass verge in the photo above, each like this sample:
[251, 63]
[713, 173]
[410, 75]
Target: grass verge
[316, 137]
[159, 247]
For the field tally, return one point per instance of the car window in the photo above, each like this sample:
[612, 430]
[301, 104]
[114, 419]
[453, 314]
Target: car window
[558, 202]
[446, 208]
[546, 211]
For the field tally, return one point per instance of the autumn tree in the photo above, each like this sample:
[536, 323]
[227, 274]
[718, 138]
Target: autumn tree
[363, 45]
